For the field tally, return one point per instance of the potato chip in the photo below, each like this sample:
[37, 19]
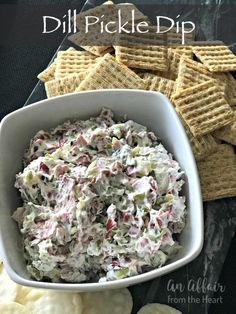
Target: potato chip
[203, 108]
[157, 308]
[13, 308]
[1, 265]
[8, 288]
[216, 56]
[107, 302]
[49, 301]
[108, 2]
[218, 174]
[29, 295]
[22, 292]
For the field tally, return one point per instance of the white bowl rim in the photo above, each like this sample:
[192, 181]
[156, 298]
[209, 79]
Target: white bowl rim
[125, 281]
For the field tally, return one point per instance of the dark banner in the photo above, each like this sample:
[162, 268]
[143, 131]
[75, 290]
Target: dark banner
[107, 25]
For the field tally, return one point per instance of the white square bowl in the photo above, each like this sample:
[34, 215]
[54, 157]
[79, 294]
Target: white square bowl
[148, 108]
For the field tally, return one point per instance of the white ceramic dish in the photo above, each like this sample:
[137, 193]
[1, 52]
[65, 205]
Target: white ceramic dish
[148, 108]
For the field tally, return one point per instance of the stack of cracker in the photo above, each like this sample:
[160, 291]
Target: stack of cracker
[203, 92]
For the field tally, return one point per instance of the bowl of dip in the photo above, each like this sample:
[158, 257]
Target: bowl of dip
[132, 219]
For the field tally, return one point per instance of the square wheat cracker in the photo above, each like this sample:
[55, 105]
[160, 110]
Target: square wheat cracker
[173, 64]
[202, 146]
[228, 132]
[93, 37]
[145, 74]
[145, 51]
[217, 57]
[65, 85]
[49, 73]
[230, 82]
[95, 41]
[191, 73]
[143, 57]
[203, 108]
[110, 13]
[98, 11]
[175, 37]
[74, 62]
[230, 89]
[218, 174]
[185, 51]
[162, 85]
[173, 60]
[108, 73]
[78, 38]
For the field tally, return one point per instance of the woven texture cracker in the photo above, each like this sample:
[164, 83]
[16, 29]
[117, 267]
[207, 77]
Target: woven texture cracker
[65, 85]
[191, 73]
[95, 40]
[147, 75]
[73, 62]
[162, 85]
[173, 64]
[185, 51]
[110, 13]
[107, 10]
[49, 73]
[230, 89]
[218, 174]
[108, 73]
[148, 51]
[151, 75]
[94, 36]
[228, 132]
[144, 74]
[146, 57]
[230, 82]
[203, 108]
[217, 58]
[202, 146]
[77, 39]
[174, 36]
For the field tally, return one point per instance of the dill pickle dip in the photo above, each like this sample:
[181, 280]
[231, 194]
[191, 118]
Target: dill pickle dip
[101, 201]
